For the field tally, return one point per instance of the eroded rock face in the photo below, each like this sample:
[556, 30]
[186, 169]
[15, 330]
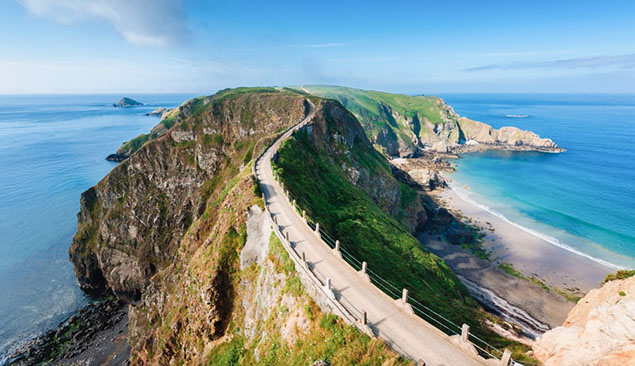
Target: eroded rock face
[411, 126]
[478, 133]
[132, 222]
[599, 331]
[336, 130]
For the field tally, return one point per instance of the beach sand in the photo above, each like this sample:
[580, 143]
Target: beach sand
[531, 255]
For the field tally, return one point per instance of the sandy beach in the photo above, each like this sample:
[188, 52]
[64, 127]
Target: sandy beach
[519, 300]
[528, 253]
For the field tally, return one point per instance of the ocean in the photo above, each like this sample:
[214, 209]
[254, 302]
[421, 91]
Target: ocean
[582, 199]
[52, 148]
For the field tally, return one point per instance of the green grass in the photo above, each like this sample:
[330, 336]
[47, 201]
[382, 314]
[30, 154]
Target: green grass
[316, 180]
[370, 234]
[369, 101]
[135, 144]
[619, 275]
[510, 270]
[377, 111]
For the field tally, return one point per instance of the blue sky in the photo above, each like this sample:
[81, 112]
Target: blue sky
[195, 46]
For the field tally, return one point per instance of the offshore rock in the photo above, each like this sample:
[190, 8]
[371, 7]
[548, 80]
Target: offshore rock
[126, 102]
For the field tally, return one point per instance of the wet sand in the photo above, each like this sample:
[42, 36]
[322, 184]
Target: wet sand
[528, 253]
[518, 300]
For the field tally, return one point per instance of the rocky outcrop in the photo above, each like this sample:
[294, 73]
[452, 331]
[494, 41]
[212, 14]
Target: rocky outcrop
[132, 222]
[481, 136]
[157, 112]
[95, 335]
[599, 331]
[338, 132]
[126, 102]
[411, 126]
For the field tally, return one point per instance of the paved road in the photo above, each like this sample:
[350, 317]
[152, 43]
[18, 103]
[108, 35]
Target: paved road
[407, 334]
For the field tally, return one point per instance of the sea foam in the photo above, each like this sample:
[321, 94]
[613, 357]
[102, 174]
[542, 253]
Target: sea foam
[464, 194]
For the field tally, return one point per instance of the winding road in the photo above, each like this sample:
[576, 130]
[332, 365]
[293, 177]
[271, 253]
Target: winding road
[407, 334]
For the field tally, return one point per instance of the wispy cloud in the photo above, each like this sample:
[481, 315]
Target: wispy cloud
[626, 61]
[141, 22]
[324, 45]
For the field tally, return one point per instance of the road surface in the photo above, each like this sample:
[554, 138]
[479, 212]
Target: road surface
[406, 333]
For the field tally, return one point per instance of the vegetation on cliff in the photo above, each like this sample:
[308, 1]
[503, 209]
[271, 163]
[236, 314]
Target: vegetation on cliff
[321, 167]
[132, 222]
[403, 125]
[165, 230]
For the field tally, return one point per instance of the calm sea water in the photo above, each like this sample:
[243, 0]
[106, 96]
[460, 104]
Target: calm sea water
[582, 199]
[52, 148]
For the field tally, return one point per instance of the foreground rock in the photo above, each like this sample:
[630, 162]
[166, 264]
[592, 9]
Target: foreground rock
[126, 102]
[599, 331]
[96, 335]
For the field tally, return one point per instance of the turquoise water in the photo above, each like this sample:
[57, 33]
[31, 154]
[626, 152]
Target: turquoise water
[52, 148]
[582, 199]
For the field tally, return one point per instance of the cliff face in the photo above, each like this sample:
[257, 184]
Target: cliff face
[132, 222]
[339, 134]
[177, 228]
[599, 331]
[408, 126]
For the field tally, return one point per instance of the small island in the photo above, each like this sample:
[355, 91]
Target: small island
[126, 103]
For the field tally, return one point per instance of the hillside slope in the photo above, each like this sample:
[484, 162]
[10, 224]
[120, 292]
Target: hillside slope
[333, 172]
[408, 126]
[166, 230]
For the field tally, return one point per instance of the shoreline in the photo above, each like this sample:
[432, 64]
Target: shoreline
[95, 334]
[529, 252]
[551, 240]
[527, 279]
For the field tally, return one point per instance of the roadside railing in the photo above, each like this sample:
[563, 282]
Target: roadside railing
[351, 314]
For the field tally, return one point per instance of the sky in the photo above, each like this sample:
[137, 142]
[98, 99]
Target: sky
[197, 46]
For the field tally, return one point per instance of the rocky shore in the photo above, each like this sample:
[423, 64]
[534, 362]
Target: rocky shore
[95, 335]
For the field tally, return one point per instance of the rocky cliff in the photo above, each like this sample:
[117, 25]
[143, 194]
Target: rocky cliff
[132, 222]
[409, 126]
[177, 229]
[599, 331]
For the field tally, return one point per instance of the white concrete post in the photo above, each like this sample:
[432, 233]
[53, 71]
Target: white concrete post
[404, 296]
[336, 250]
[304, 215]
[465, 332]
[507, 355]
[317, 229]
[364, 265]
[294, 203]
[328, 290]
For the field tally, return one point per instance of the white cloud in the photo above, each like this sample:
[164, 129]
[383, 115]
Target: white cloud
[141, 22]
